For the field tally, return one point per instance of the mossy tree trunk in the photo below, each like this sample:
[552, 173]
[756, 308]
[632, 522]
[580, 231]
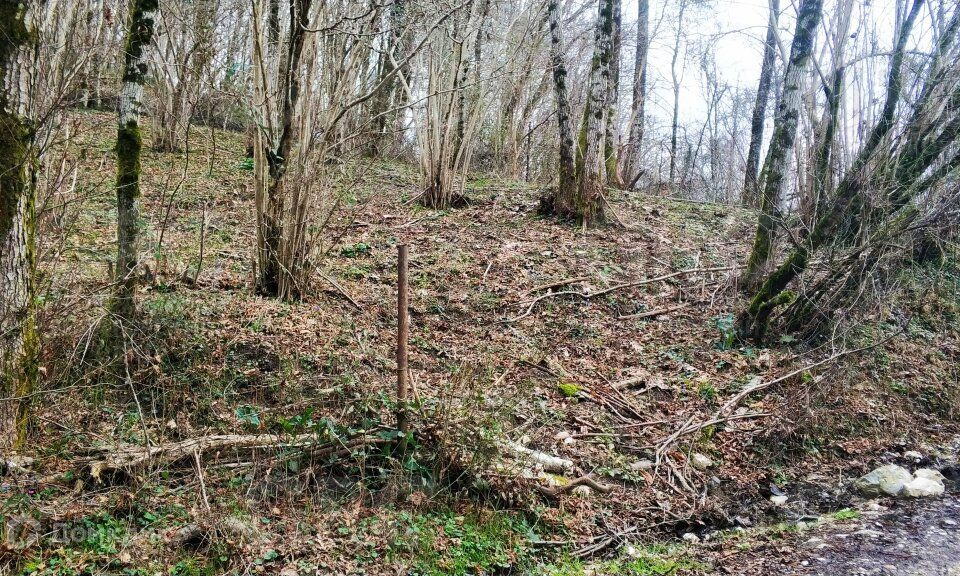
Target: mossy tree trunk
[566, 187]
[19, 340]
[784, 137]
[129, 147]
[750, 195]
[585, 202]
[847, 200]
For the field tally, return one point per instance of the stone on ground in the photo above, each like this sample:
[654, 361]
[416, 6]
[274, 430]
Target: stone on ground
[889, 480]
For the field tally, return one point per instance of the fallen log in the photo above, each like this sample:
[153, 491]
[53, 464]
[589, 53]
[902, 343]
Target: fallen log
[125, 459]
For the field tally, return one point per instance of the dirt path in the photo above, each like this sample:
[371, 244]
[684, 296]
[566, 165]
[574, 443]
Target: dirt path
[920, 538]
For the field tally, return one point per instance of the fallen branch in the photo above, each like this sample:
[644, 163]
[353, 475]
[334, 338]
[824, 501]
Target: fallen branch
[591, 295]
[581, 481]
[129, 458]
[340, 290]
[654, 313]
[548, 462]
[723, 414]
[556, 284]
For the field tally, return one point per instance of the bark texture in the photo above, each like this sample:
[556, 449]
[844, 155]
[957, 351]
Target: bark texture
[750, 192]
[632, 169]
[585, 204]
[784, 137]
[129, 147]
[275, 277]
[566, 186]
[19, 341]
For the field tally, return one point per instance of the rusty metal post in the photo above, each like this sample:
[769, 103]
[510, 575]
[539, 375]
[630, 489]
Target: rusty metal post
[403, 333]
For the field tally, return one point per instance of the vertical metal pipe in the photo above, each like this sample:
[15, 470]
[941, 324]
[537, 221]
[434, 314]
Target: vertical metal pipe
[403, 333]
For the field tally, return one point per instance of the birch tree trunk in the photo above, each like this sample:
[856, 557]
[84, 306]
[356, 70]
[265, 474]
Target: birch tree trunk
[847, 200]
[586, 204]
[784, 136]
[750, 193]
[675, 81]
[611, 135]
[19, 340]
[129, 146]
[566, 187]
[632, 168]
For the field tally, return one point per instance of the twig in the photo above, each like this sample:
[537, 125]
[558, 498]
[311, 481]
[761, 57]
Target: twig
[556, 284]
[203, 485]
[653, 313]
[340, 290]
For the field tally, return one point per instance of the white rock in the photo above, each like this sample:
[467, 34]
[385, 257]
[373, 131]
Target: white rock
[889, 479]
[562, 435]
[631, 551]
[922, 487]
[19, 464]
[569, 441]
[930, 474]
[691, 537]
[700, 461]
[779, 500]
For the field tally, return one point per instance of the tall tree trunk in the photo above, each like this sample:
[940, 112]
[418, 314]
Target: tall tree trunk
[590, 167]
[784, 137]
[675, 81]
[19, 340]
[274, 277]
[632, 169]
[129, 146]
[566, 187]
[611, 136]
[382, 112]
[750, 192]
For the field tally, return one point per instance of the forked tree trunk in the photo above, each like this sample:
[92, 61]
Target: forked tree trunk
[566, 187]
[129, 145]
[274, 276]
[632, 169]
[19, 340]
[784, 137]
[586, 202]
[750, 193]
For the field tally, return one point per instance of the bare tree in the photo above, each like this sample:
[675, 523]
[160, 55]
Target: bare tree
[750, 194]
[632, 168]
[129, 146]
[566, 185]
[784, 135]
[585, 202]
[906, 169]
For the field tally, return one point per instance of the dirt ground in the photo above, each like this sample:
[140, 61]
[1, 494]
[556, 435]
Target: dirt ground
[594, 345]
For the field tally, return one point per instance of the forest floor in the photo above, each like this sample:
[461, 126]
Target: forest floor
[523, 329]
